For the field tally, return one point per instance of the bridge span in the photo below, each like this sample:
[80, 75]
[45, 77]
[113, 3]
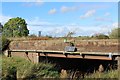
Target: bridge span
[36, 55]
[65, 54]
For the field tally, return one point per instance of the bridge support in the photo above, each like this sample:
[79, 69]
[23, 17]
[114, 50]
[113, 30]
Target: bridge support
[9, 53]
[37, 58]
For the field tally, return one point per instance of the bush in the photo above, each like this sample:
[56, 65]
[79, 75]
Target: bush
[11, 73]
[32, 35]
[5, 43]
[110, 74]
[26, 69]
[42, 70]
[115, 33]
[100, 36]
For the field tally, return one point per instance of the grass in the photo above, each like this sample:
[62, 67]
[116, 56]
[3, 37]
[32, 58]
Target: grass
[109, 74]
[0, 65]
[28, 70]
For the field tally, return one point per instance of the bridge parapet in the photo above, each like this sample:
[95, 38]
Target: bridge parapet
[59, 45]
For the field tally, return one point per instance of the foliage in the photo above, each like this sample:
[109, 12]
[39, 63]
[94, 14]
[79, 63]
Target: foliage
[15, 27]
[5, 43]
[26, 69]
[48, 36]
[109, 74]
[84, 37]
[100, 36]
[11, 73]
[69, 34]
[32, 35]
[42, 70]
[115, 33]
[1, 26]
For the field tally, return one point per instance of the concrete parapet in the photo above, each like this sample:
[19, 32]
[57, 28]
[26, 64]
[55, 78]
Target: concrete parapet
[82, 45]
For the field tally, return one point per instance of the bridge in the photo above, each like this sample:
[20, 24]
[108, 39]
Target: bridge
[65, 54]
[103, 56]
[35, 50]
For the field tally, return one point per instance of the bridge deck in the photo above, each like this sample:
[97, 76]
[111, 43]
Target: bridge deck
[72, 53]
[64, 54]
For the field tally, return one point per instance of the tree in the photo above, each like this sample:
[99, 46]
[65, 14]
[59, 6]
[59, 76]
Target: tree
[5, 43]
[100, 36]
[69, 34]
[115, 33]
[32, 35]
[15, 27]
[1, 26]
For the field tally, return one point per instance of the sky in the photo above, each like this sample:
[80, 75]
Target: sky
[59, 18]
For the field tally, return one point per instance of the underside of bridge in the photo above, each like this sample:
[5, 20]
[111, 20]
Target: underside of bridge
[78, 64]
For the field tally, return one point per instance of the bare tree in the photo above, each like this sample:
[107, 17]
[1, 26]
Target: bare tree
[69, 34]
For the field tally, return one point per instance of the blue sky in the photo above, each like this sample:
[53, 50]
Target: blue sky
[58, 18]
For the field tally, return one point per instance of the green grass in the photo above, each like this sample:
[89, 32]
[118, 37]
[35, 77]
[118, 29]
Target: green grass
[108, 74]
[28, 70]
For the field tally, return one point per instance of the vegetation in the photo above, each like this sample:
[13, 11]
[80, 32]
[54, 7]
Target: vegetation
[1, 26]
[5, 43]
[15, 27]
[109, 74]
[115, 33]
[32, 35]
[69, 34]
[100, 36]
[84, 37]
[26, 70]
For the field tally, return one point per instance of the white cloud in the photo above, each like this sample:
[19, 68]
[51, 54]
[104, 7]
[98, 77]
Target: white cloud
[107, 14]
[52, 29]
[34, 3]
[52, 11]
[4, 19]
[88, 14]
[68, 9]
[115, 25]
[36, 24]
[39, 2]
[103, 19]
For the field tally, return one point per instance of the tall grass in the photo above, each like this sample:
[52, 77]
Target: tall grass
[28, 70]
[108, 74]
[0, 66]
